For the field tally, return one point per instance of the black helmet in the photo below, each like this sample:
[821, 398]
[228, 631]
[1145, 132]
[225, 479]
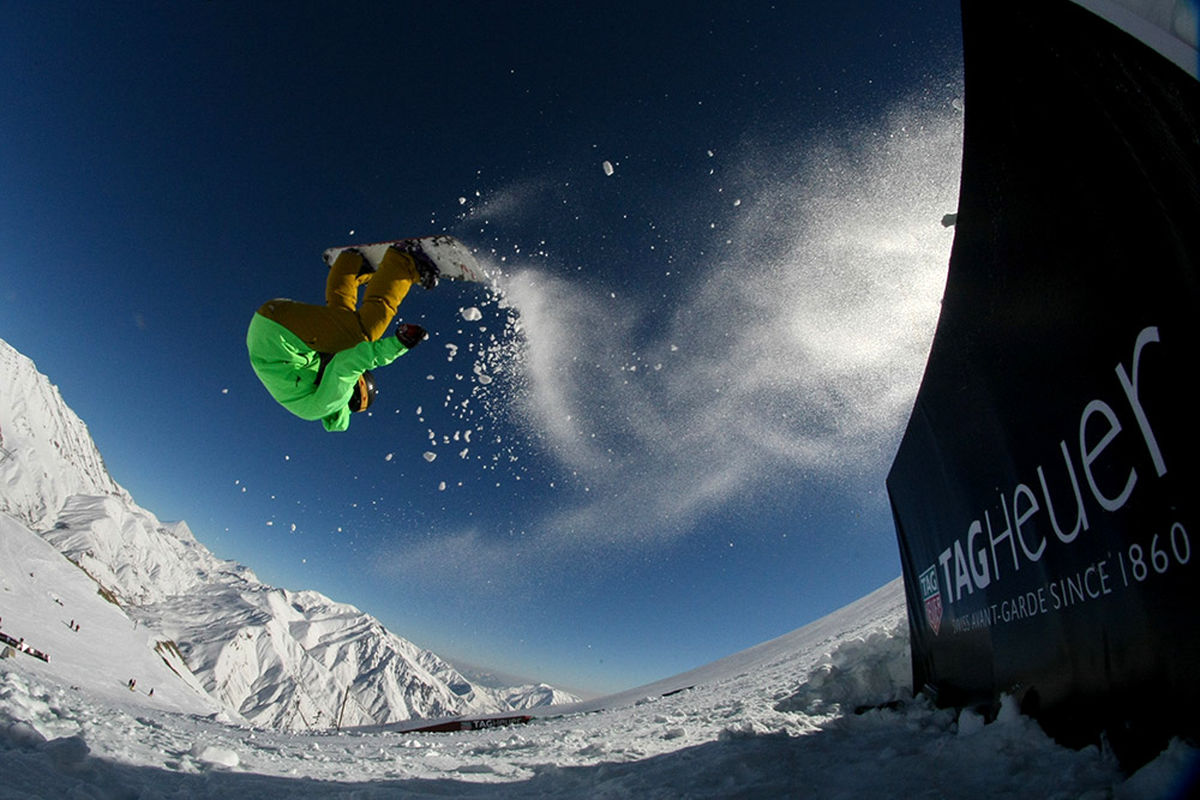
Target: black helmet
[364, 392]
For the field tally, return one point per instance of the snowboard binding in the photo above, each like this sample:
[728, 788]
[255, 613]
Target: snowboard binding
[426, 269]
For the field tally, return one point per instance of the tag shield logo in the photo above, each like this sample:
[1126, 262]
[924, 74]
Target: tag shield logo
[932, 595]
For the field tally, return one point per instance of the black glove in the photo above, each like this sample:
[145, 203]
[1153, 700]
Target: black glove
[410, 335]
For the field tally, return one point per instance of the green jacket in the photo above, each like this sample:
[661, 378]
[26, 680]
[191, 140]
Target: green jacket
[291, 371]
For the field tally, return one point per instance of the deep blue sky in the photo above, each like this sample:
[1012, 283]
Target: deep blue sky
[682, 453]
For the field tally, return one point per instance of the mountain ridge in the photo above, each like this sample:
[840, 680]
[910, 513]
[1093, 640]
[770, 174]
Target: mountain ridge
[272, 657]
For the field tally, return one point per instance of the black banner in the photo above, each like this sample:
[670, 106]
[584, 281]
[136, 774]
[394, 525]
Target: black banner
[1046, 492]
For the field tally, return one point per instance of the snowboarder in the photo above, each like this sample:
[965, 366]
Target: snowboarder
[316, 361]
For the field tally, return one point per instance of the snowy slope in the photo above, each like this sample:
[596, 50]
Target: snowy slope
[275, 658]
[775, 721]
[882, 610]
[92, 643]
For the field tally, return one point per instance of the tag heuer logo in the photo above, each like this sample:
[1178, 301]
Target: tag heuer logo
[933, 598]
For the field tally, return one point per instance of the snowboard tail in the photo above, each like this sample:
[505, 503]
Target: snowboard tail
[453, 258]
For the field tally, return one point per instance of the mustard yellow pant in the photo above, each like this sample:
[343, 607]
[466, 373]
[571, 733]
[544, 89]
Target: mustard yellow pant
[342, 322]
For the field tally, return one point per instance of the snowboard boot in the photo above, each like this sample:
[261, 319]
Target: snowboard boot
[367, 267]
[426, 269]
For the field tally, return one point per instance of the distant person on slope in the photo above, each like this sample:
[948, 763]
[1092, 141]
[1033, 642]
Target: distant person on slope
[316, 361]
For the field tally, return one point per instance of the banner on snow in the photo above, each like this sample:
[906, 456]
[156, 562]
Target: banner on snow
[1046, 492]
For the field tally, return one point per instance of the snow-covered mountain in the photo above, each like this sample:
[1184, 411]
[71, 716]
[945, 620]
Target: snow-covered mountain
[273, 657]
[48, 454]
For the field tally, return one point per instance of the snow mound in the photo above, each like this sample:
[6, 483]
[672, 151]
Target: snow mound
[39, 716]
[864, 671]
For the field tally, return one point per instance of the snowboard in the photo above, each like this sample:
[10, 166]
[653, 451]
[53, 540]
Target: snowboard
[453, 258]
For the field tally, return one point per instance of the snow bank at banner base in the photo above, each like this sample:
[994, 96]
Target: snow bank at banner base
[846, 729]
[859, 674]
